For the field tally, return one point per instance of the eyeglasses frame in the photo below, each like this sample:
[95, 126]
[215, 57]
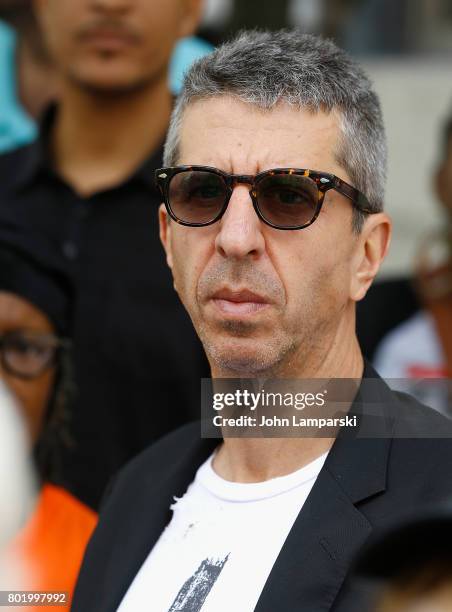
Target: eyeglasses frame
[323, 180]
[61, 344]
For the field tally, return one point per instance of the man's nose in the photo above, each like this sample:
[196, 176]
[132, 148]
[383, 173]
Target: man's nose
[240, 233]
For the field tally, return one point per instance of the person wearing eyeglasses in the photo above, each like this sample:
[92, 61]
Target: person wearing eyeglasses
[36, 300]
[273, 226]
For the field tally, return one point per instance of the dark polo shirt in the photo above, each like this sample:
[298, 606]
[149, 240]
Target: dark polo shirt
[137, 359]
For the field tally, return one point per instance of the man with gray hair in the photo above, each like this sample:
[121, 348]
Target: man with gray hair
[273, 228]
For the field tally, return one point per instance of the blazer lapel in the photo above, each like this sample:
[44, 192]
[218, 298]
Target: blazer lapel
[329, 530]
[146, 518]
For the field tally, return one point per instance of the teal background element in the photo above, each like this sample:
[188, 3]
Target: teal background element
[16, 126]
[187, 51]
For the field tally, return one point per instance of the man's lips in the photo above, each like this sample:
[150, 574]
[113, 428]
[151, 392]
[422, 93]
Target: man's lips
[109, 38]
[242, 302]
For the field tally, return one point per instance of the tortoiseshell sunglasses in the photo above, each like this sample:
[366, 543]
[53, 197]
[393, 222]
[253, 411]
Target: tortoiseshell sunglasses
[284, 198]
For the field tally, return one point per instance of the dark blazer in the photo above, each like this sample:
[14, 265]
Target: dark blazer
[364, 483]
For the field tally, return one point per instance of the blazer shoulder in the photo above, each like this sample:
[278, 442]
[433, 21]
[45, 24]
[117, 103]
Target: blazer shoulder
[421, 421]
[172, 444]
[422, 448]
[173, 452]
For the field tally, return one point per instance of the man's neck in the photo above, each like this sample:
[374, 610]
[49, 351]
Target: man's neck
[98, 140]
[258, 459]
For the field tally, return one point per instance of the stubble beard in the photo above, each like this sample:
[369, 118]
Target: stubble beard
[235, 353]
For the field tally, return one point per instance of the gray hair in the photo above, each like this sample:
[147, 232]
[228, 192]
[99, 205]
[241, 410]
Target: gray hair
[265, 68]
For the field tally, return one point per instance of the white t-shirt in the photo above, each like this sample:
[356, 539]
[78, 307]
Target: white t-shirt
[218, 550]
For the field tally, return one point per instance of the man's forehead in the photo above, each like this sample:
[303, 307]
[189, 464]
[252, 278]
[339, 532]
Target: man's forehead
[226, 132]
[227, 111]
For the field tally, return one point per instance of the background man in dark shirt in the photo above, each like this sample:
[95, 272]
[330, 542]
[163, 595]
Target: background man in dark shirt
[87, 184]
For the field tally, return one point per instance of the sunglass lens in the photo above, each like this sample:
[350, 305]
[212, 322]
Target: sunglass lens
[196, 196]
[287, 200]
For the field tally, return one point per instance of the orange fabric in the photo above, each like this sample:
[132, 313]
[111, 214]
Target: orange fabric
[53, 542]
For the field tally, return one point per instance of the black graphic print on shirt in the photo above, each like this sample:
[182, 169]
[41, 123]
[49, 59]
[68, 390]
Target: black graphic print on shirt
[193, 593]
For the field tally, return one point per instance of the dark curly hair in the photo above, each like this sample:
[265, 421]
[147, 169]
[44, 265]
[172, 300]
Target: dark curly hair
[55, 434]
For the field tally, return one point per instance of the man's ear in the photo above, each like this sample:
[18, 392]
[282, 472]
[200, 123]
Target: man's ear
[165, 234]
[192, 12]
[370, 250]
